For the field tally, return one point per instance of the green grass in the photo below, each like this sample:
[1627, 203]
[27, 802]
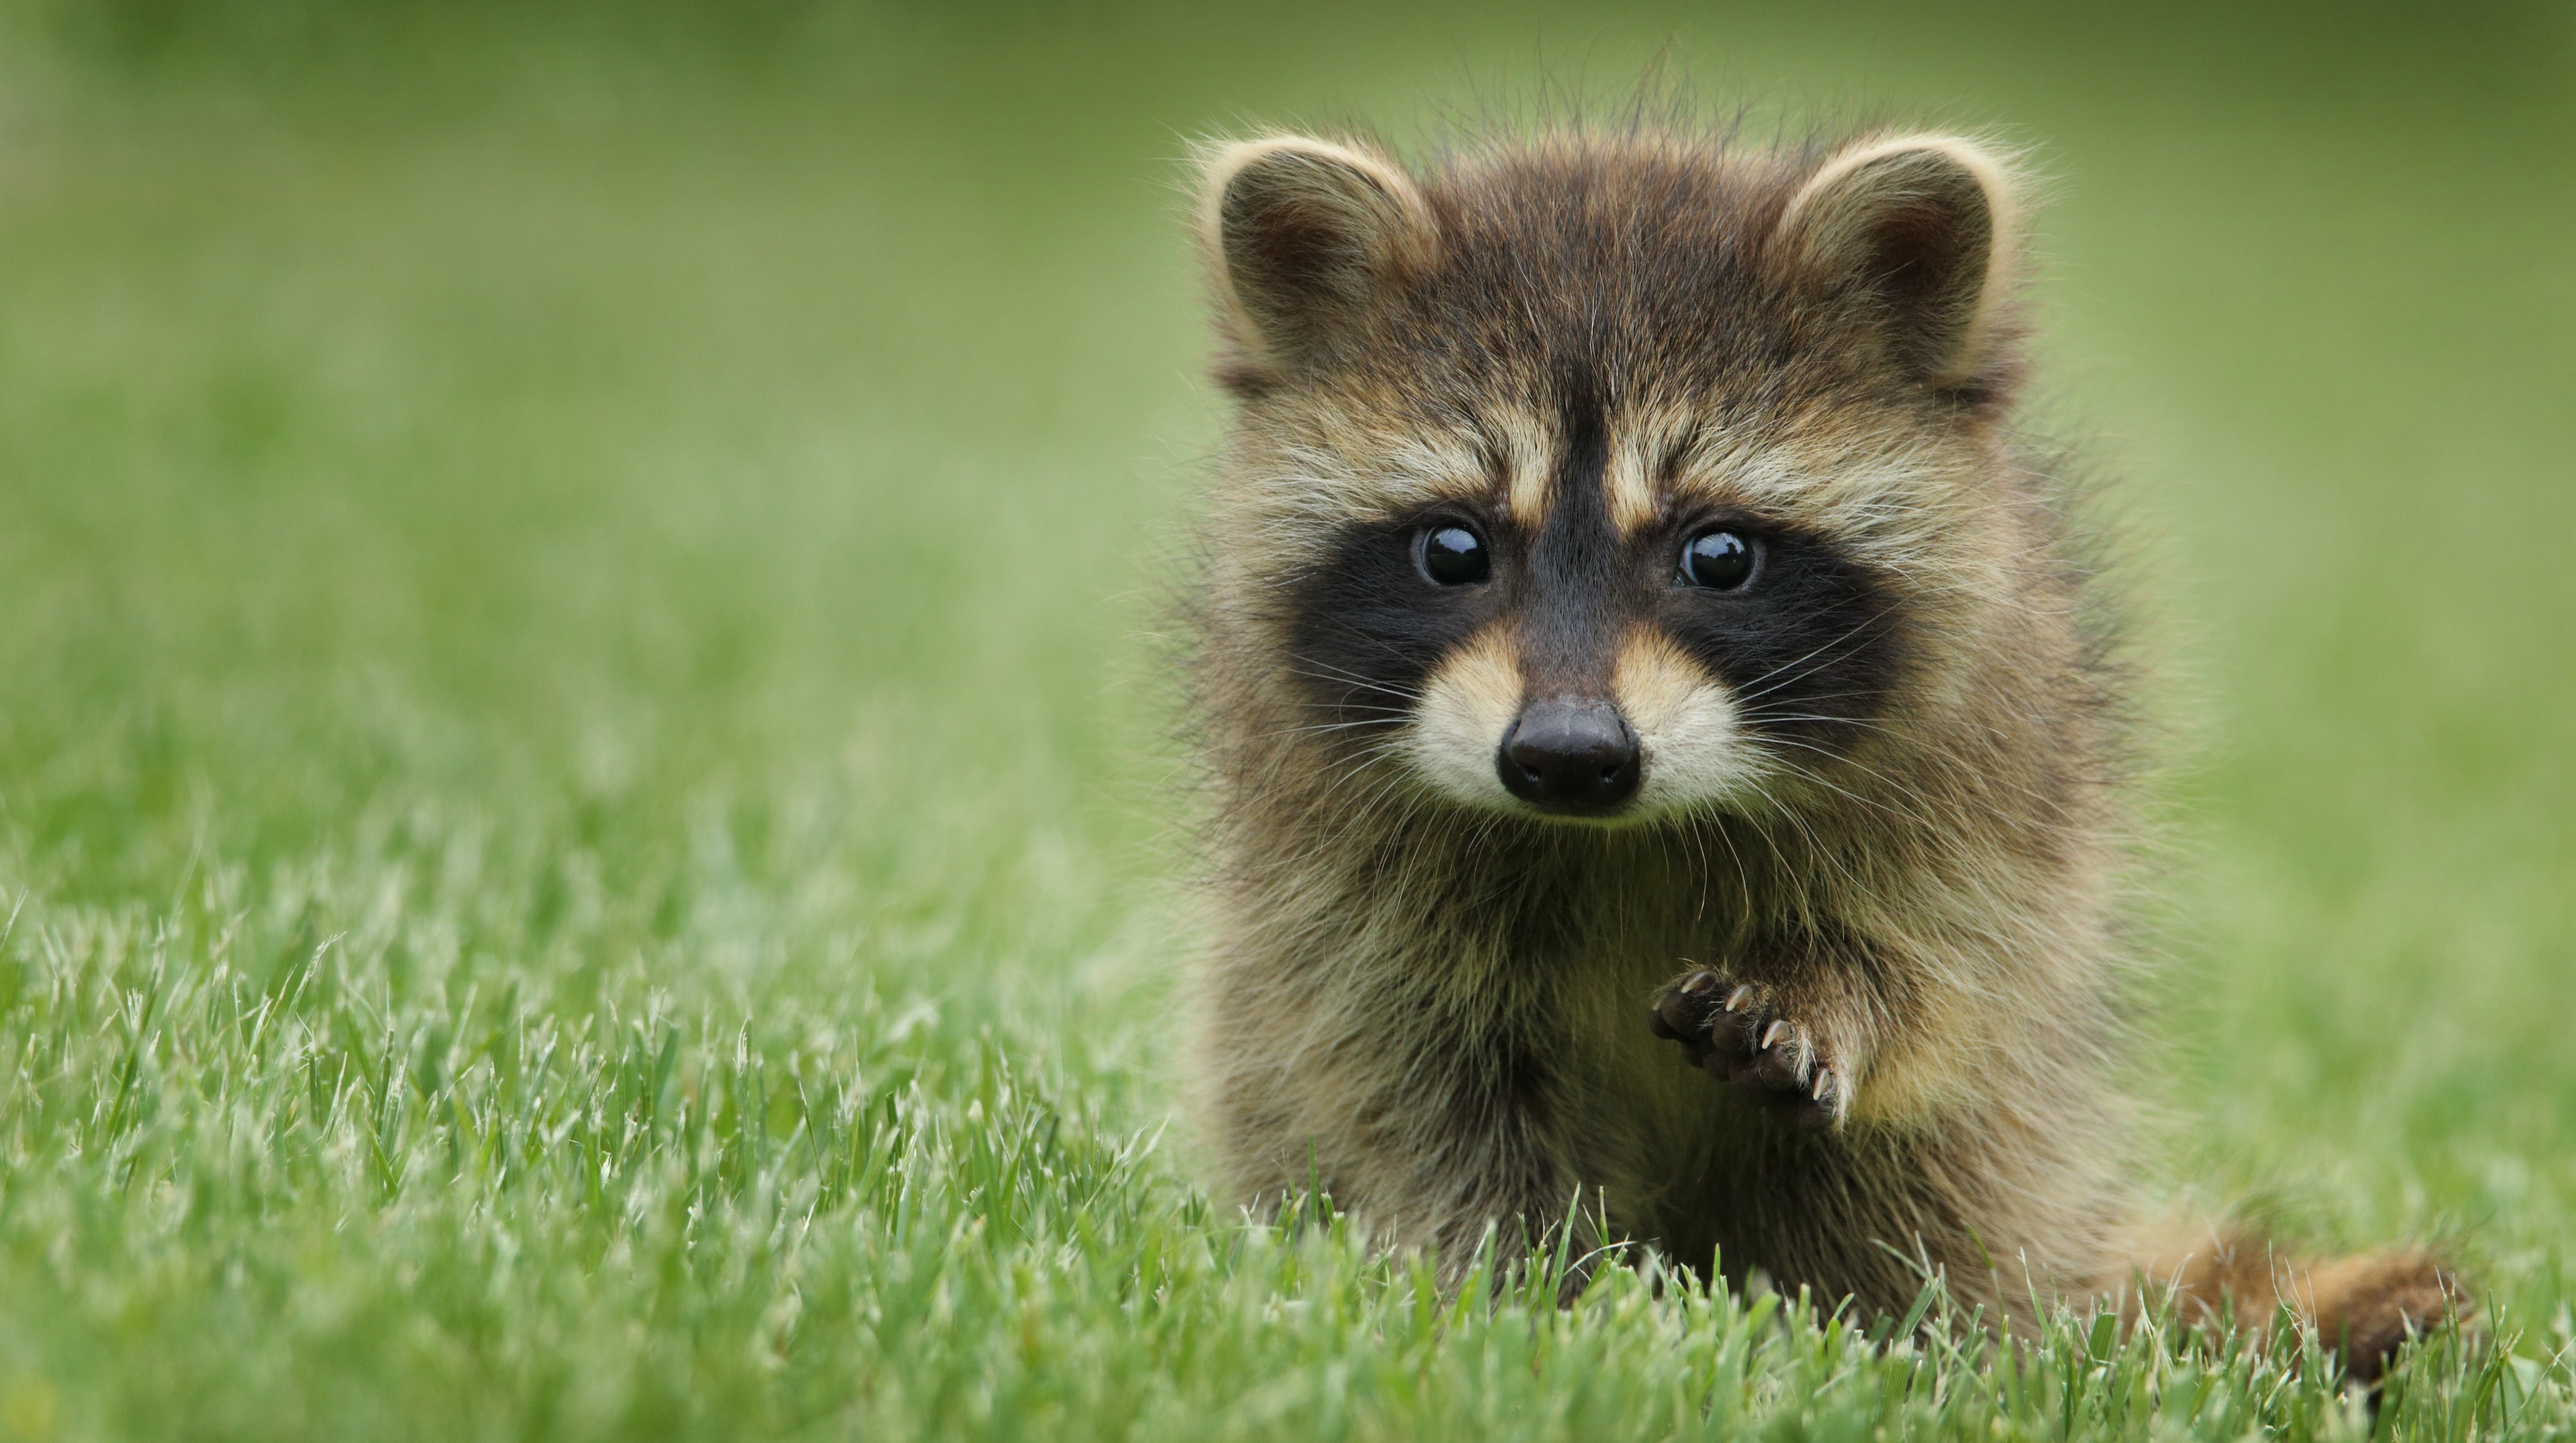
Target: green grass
[584, 825]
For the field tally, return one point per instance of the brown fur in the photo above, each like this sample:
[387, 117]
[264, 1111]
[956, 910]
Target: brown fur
[1437, 1006]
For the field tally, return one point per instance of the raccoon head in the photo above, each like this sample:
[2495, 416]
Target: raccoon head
[1608, 479]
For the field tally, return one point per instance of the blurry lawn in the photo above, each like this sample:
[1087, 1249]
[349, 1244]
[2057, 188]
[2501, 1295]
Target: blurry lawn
[584, 827]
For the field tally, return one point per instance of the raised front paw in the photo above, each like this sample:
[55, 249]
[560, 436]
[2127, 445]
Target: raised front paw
[1737, 1032]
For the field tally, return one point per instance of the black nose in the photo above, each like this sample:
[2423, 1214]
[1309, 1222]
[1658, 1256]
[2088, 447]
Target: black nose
[1570, 756]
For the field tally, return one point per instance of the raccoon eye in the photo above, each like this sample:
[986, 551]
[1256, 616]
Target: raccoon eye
[1720, 560]
[1452, 555]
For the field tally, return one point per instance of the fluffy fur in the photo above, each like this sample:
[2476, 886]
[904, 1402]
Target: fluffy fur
[1830, 993]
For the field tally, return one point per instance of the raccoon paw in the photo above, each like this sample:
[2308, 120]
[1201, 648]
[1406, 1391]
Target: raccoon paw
[1737, 1033]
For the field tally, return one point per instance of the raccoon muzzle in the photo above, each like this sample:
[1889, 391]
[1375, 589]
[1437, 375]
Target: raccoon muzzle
[1572, 756]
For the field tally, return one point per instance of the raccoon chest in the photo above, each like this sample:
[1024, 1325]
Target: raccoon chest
[1560, 1062]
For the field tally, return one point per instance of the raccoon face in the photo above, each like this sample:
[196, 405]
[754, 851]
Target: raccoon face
[1608, 484]
[1564, 664]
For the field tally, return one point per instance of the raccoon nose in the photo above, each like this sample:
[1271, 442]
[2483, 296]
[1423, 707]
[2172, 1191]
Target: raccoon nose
[1570, 756]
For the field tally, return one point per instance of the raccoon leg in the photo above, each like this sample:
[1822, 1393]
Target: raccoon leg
[1746, 1034]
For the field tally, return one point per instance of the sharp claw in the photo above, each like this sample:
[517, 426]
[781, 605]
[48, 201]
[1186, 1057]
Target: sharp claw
[1736, 999]
[1699, 982]
[1823, 1087]
[1770, 1035]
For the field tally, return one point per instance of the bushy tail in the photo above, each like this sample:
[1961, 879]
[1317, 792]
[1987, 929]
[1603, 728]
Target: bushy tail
[2363, 1307]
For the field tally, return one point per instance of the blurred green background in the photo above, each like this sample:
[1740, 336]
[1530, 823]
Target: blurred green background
[584, 802]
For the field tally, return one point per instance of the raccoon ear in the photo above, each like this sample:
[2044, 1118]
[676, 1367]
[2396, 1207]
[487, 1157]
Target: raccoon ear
[1302, 236]
[1918, 232]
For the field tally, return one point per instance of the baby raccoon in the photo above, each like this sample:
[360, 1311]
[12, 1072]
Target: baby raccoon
[1661, 758]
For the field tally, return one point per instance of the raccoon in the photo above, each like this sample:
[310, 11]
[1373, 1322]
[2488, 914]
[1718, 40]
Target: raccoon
[1667, 786]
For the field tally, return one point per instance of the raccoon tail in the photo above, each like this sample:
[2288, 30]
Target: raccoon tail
[2362, 1307]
